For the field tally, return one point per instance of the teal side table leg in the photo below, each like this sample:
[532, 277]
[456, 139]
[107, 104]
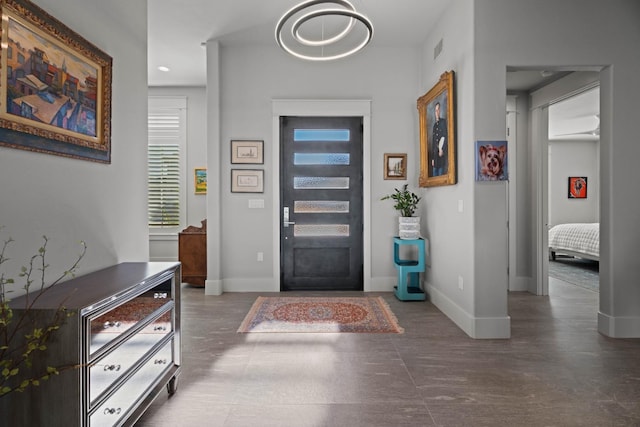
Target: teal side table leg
[408, 288]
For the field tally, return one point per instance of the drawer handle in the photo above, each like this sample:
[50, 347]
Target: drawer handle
[111, 411]
[160, 362]
[112, 368]
[159, 328]
[108, 325]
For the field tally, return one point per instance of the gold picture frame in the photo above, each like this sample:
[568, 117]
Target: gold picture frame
[437, 134]
[200, 180]
[55, 86]
[395, 166]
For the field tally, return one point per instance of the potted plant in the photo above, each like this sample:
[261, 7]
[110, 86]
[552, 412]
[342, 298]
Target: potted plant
[406, 203]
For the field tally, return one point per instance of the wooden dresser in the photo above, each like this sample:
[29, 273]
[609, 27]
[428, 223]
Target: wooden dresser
[192, 253]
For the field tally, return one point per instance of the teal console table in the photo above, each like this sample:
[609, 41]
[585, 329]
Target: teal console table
[408, 288]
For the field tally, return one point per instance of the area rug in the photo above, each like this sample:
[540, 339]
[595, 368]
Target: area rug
[320, 315]
[577, 271]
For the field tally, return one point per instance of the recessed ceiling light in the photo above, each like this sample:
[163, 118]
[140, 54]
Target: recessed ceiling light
[163, 68]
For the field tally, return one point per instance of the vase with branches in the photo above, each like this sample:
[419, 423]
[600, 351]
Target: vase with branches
[23, 335]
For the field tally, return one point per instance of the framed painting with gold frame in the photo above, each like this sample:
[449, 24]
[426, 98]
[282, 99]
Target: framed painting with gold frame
[55, 86]
[437, 133]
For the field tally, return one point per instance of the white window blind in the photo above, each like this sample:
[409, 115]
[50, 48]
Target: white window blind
[166, 184]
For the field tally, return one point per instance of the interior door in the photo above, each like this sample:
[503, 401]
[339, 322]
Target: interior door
[321, 227]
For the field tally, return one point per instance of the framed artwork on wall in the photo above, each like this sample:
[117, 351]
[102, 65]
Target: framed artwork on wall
[437, 133]
[491, 161]
[395, 166]
[577, 187]
[248, 152]
[200, 178]
[55, 87]
[247, 181]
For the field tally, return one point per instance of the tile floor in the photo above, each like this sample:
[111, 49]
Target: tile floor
[556, 370]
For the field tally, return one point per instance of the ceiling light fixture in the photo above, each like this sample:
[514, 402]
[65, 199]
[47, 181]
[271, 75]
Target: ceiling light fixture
[344, 42]
[164, 69]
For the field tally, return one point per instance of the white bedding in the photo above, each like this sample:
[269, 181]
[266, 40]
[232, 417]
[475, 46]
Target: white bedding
[576, 239]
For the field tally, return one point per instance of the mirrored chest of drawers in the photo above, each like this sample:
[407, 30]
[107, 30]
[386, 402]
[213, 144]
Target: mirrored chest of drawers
[121, 347]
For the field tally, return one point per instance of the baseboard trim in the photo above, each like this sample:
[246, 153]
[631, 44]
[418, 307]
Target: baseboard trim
[475, 327]
[163, 259]
[520, 284]
[257, 284]
[618, 327]
[380, 284]
[212, 287]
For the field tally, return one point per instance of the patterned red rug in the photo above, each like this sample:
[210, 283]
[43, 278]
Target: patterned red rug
[320, 314]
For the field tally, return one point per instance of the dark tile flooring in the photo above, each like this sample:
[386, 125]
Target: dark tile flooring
[556, 370]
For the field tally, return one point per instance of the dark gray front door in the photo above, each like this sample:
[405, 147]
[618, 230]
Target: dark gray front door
[321, 229]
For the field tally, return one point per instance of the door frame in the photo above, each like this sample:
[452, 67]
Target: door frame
[539, 125]
[323, 108]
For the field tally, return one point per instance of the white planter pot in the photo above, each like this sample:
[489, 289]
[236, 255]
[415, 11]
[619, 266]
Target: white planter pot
[409, 227]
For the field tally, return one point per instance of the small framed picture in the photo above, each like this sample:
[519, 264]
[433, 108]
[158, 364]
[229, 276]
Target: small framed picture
[492, 161]
[200, 180]
[247, 181]
[577, 187]
[395, 166]
[247, 152]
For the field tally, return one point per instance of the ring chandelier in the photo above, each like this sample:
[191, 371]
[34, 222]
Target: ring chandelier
[349, 11]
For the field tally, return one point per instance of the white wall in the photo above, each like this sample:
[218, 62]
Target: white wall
[165, 248]
[70, 200]
[519, 33]
[573, 158]
[250, 77]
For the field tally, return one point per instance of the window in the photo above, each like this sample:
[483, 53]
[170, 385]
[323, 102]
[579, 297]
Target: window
[166, 164]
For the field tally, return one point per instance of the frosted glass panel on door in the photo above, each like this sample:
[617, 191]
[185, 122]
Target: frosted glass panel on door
[321, 182]
[321, 230]
[321, 206]
[303, 135]
[333, 159]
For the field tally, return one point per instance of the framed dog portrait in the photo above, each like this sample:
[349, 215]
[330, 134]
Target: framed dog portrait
[437, 134]
[577, 187]
[395, 166]
[491, 161]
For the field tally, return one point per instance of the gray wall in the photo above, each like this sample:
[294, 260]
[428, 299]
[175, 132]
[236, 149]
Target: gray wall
[70, 200]
[466, 276]
[509, 33]
[449, 231]
[573, 158]
[248, 78]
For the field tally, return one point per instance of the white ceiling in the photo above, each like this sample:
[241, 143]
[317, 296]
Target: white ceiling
[177, 29]
[576, 118]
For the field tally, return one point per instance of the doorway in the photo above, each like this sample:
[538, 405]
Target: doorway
[545, 88]
[321, 197]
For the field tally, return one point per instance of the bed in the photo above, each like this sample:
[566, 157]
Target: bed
[578, 240]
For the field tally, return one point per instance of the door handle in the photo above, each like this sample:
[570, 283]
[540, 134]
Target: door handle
[285, 217]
